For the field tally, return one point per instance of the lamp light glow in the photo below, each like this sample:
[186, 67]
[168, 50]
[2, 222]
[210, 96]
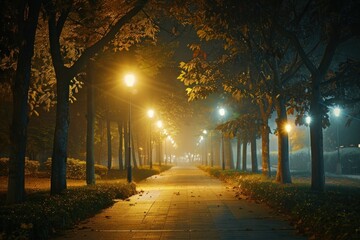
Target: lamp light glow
[151, 113]
[288, 128]
[222, 112]
[337, 111]
[130, 80]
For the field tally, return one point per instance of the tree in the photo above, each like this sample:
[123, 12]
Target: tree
[330, 23]
[65, 71]
[90, 116]
[26, 15]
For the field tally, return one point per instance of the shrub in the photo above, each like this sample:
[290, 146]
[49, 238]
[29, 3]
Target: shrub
[31, 167]
[42, 214]
[76, 169]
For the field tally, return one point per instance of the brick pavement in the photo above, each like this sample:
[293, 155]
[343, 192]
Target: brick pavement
[184, 203]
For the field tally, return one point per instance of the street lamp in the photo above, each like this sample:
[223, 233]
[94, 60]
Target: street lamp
[150, 114]
[130, 82]
[337, 113]
[222, 114]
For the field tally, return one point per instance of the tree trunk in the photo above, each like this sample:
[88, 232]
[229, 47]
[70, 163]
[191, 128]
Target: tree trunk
[158, 152]
[139, 151]
[90, 158]
[109, 149]
[223, 166]
[18, 135]
[283, 172]
[265, 152]
[238, 152]
[254, 163]
[121, 143]
[211, 151]
[101, 141]
[133, 151]
[126, 146]
[316, 136]
[229, 158]
[59, 157]
[244, 152]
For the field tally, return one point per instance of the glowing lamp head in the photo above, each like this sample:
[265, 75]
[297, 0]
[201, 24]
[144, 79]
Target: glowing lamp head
[151, 113]
[205, 131]
[308, 120]
[288, 128]
[337, 111]
[222, 112]
[130, 80]
[159, 124]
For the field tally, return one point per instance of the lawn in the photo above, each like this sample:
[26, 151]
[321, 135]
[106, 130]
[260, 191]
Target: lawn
[333, 214]
[42, 215]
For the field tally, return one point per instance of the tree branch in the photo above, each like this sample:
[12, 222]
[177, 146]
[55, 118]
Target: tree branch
[91, 51]
[312, 68]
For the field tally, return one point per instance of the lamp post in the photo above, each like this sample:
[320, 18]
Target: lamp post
[337, 112]
[129, 81]
[222, 114]
[150, 114]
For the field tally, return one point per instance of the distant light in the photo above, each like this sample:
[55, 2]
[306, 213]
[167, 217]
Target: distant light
[308, 120]
[288, 128]
[337, 111]
[205, 132]
[201, 138]
[359, 145]
[130, 80]
[159, 124]
[222, 111]
[151, 113]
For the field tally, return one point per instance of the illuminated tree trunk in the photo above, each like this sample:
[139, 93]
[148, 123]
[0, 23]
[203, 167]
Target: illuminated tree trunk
[244, 155]
[27, 24]
[133, 151]
[59, 157]
[228, 153]
[283, 172]
[265, 107]
[238, 152]
[126, 145]
[108, 136]
[121, 143]
[254, 163]
[90, 116]
[139, 151]
[265, 152]
[316, 136]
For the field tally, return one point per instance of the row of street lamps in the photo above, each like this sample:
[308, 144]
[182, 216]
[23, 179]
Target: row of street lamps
[288, 128]
[337, 113]
[130, 81]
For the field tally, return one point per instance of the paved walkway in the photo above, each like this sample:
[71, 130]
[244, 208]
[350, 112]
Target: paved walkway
[184, 203]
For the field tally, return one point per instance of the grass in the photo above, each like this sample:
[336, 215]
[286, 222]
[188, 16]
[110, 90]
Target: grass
[333, 214]
[42, 215]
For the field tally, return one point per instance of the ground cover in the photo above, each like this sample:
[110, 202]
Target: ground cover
[333, 214]
[42, 215]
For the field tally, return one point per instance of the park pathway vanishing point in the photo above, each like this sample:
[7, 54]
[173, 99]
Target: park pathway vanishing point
[184, 203]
